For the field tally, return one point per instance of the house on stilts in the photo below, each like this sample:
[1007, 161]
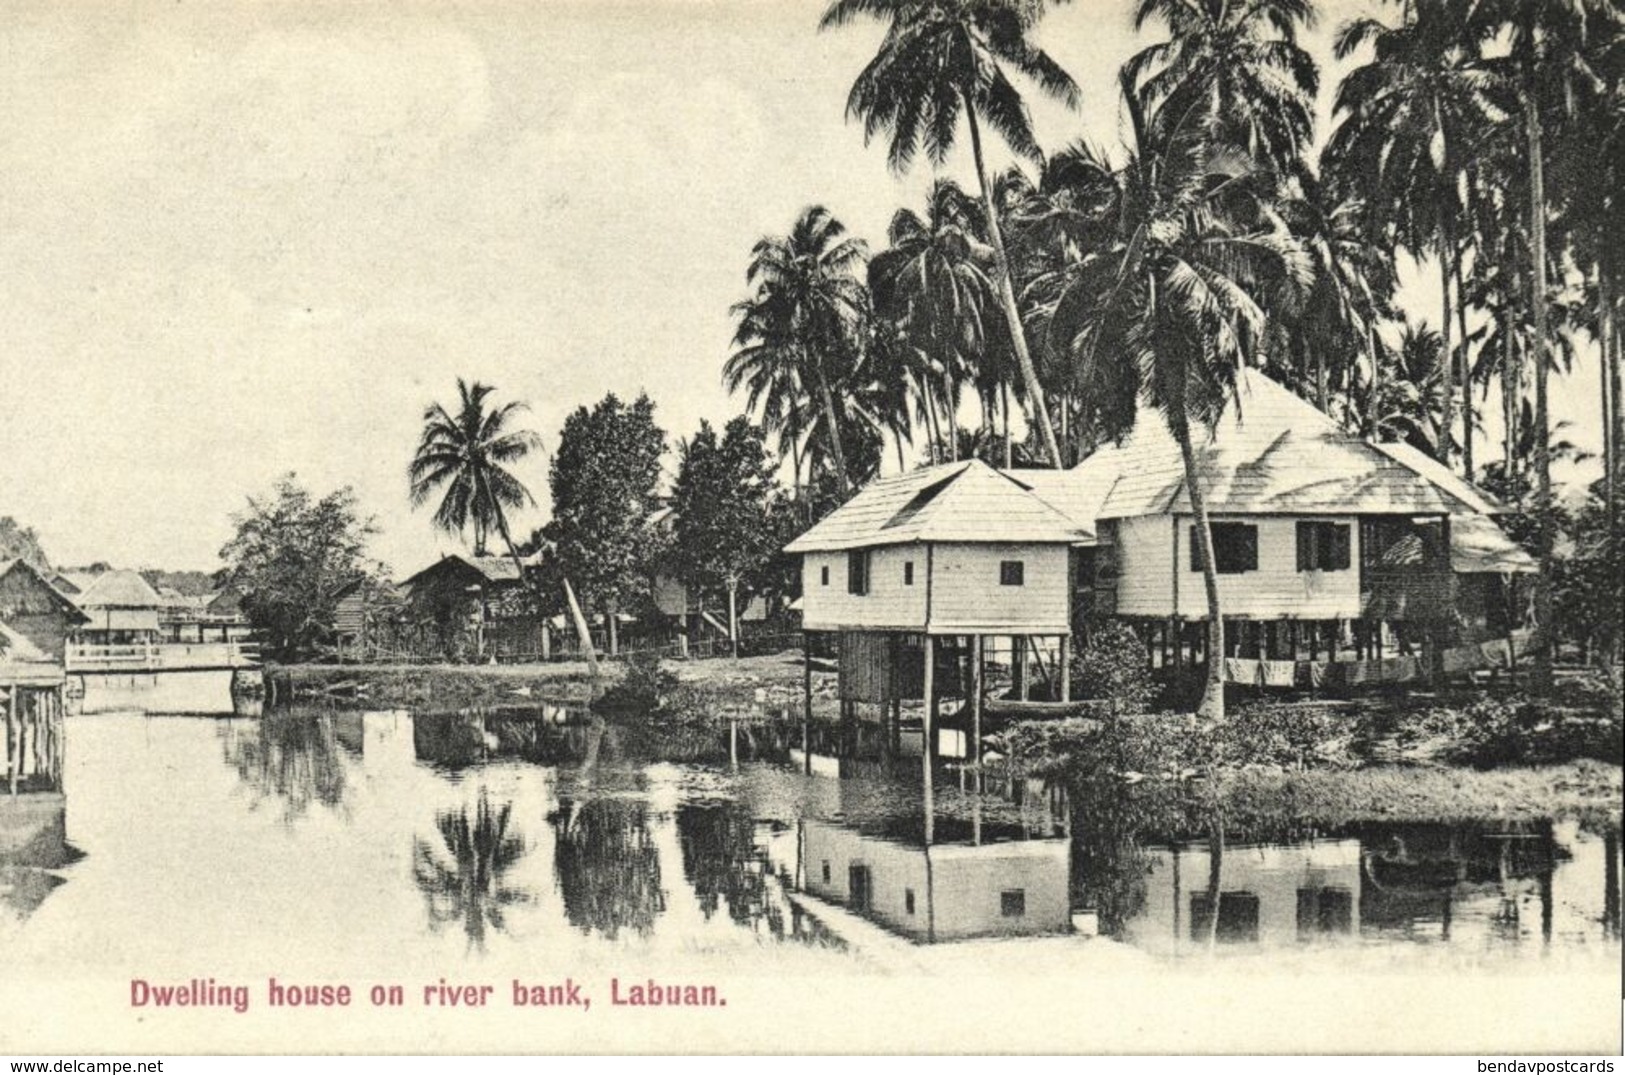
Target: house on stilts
[1340, 561]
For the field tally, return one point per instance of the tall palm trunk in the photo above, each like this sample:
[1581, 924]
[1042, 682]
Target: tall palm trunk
[1007, 296]
[1545, 637]
[1465, 369]
[837, 453]
[1212, 704]
[1004, 392]
[1608, 335]
[932, 422]
[948, 394]
[1376, 379]
[1447, 364]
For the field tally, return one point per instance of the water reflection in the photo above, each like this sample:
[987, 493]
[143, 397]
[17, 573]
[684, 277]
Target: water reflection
[742, 851]
[463, 879]
[297, 757]
[607, 866]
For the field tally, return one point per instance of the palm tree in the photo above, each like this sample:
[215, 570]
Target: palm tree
[1552, 53]
[1235, 70]
[933, 283]
[465, 458]
[941, 59]
[1168, 309]
[802, 327]
[1405, 121]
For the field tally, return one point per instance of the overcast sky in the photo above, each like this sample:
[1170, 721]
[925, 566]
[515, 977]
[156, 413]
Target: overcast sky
[238, 240]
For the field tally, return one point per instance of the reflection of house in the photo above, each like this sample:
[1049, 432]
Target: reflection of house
[940, 892]
[1267, 895]
[36, 610]
[474, 606]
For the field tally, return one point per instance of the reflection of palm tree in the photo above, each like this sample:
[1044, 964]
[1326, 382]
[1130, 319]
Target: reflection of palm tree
[290, 756]
[607, 866]
[469, 889]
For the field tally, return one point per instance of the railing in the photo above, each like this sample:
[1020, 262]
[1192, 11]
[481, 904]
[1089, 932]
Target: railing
[159, 656]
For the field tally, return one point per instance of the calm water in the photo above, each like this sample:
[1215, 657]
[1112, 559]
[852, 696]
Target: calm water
[304, 842]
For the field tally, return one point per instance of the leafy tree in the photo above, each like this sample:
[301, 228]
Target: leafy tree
[18, 542]
[292, 550]
[465, 457]
[604, 480]
[950, 58]
[726, 529]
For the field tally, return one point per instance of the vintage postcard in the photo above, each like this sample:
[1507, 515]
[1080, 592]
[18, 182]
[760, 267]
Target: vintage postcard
[892, 526]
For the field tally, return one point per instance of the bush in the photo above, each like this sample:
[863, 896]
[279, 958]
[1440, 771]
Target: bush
[643, 686]
[1112, 667]
[1523, 731]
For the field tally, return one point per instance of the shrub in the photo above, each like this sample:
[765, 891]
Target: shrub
[643, 686]
[1524, 731]
[1112, 667]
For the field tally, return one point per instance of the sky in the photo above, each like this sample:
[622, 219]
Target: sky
[238, 240]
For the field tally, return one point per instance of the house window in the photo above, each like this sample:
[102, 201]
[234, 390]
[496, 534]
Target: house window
[823, 575]
[826, 871]
[857, 572]
[908, 900]
[1235, 548]
[908, 572]
[1323, 546]
[1012, 573]
[1013, 902]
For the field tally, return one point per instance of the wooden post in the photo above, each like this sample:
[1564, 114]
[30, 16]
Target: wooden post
[976, 702]
[547, 642]
[1066, 668]
[1018, 644]
[806, 699]
[930, 699]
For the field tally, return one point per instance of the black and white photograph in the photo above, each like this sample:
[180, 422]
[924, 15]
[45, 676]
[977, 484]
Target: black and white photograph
[813, 526]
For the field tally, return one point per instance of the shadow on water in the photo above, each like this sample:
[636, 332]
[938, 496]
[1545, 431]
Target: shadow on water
[462, 878]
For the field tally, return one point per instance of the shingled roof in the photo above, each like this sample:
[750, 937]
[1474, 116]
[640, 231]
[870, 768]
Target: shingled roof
[1270, 452]
[967, 502]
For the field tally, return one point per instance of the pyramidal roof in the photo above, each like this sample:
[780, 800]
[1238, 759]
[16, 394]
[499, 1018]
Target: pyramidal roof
[1269, 452]
[967, 501]
[120, 589]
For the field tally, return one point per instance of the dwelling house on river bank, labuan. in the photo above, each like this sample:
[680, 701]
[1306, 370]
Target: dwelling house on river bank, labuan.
[1338, 560]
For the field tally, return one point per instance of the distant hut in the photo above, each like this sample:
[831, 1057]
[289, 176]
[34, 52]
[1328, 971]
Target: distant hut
[123, 610]
[34, 609]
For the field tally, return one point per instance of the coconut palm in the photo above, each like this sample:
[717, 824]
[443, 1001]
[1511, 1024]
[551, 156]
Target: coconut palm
[1551, 55]
[464, 458]
[1235, 69]
[1169, 310]
[801, 330]
[1406, 121]
[934, 282]
[939, 60]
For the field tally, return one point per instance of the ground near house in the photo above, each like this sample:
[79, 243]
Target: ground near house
[720, 682]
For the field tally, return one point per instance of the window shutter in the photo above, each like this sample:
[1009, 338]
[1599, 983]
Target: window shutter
[1249, 542]
[1341, 551]
[1196, 553]
[1306, 552]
